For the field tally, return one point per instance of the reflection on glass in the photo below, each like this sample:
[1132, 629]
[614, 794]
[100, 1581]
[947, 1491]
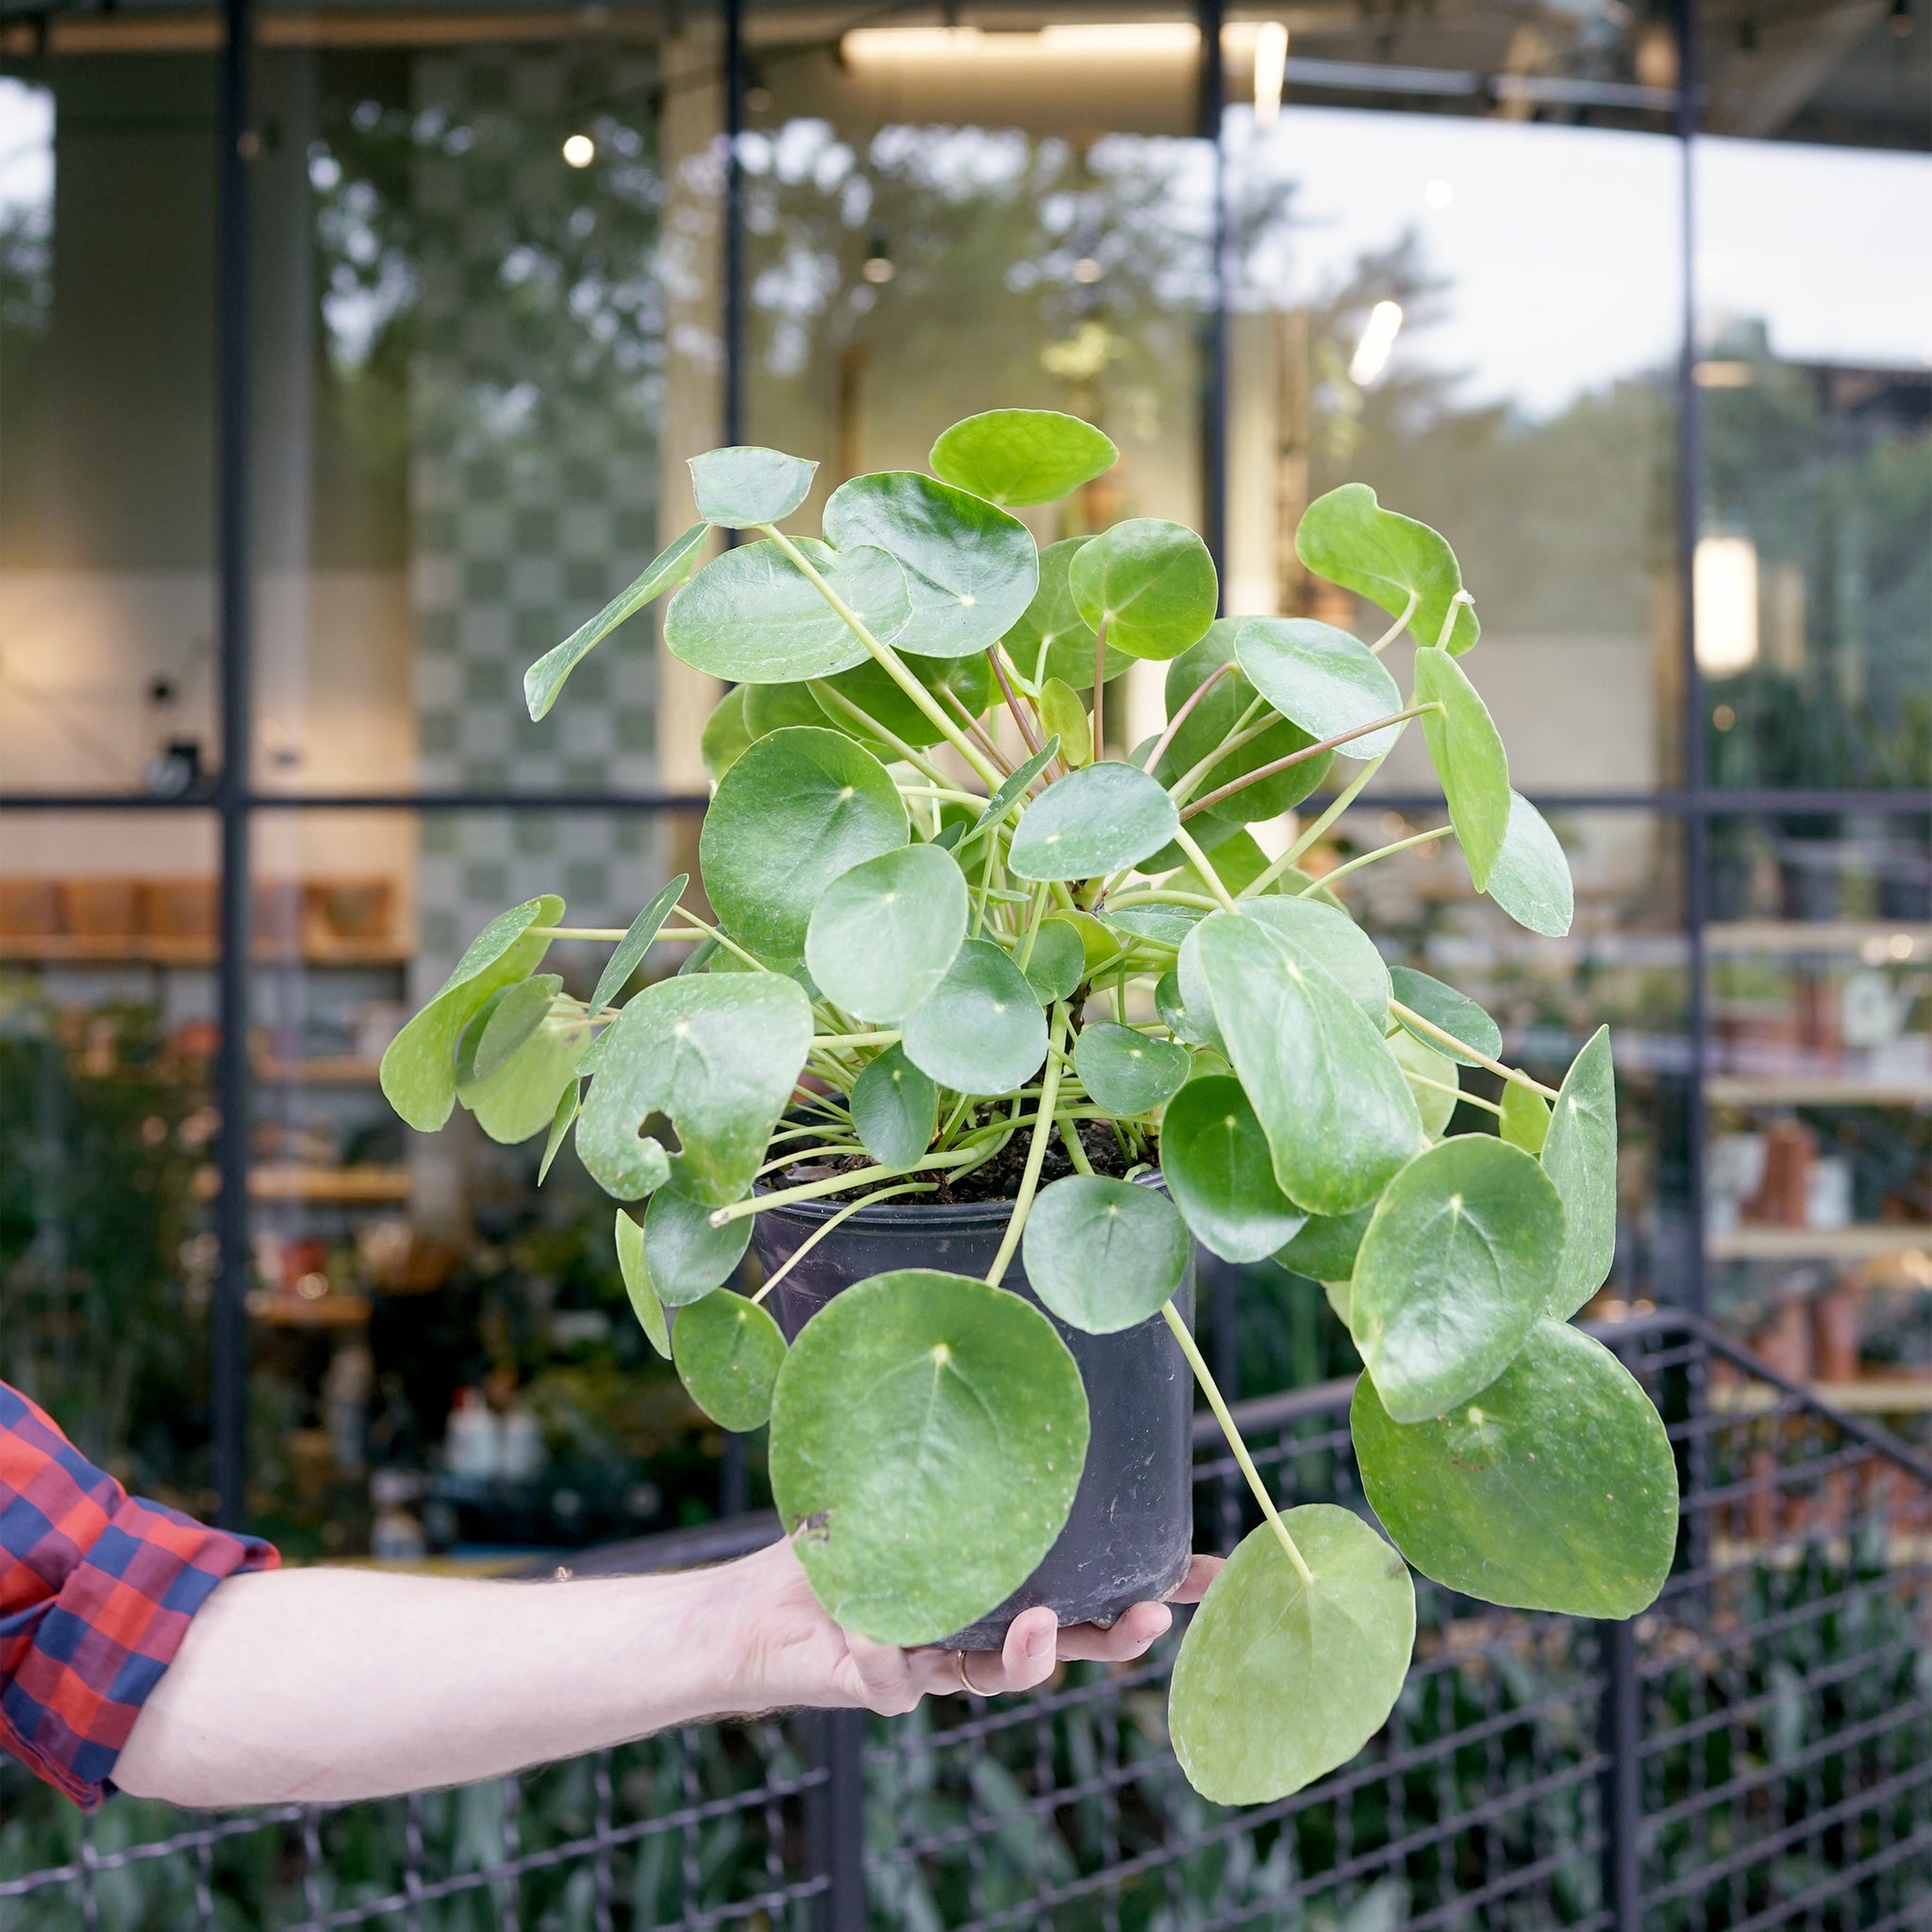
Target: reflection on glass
[107, 474]
[1814, 558]
[1393, 328]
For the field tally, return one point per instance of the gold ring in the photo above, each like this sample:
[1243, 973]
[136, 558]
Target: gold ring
[959, 1657]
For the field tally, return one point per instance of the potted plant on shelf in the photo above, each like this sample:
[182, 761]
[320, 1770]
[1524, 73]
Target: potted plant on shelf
[981, 1041]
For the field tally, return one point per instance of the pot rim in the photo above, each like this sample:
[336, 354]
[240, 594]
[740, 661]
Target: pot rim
[946, 1217]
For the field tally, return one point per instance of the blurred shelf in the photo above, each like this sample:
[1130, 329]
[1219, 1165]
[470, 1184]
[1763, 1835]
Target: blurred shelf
[296, 1311]
[284, 1181]
[1873, 1395]
[1903, 1550]
[85, 949]
[1870, 1242]
[1815, 1089]
[1824, 936]
[322, 1069]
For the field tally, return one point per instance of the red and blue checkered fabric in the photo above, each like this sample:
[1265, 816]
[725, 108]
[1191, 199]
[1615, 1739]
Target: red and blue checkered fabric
[96, 1591]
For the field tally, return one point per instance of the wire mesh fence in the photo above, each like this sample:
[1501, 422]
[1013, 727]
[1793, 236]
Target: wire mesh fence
[1755, 1751]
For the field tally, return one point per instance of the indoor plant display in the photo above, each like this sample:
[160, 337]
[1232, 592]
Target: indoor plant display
[935, 963]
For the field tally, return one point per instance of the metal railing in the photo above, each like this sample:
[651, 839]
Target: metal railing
[1754, 1752]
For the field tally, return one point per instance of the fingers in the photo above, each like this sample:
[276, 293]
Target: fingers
[1200, 1573]
[1128, 1637]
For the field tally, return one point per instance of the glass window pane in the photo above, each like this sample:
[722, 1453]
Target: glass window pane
[107, 464]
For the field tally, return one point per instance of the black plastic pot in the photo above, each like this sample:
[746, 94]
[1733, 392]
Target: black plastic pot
[1132, 1526]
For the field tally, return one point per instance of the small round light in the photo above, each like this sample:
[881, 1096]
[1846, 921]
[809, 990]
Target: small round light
[1087, 270]
[312, 1287]
[878, 270]
[1723, 718]
[579, 151]
[1901, 946]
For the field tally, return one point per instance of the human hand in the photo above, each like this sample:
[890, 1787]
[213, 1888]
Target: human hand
[795, 1655]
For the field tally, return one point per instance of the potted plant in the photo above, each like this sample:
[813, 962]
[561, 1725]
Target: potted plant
[981, 1041]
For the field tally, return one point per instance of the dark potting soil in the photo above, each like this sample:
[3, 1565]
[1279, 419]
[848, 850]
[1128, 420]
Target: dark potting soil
[998, 1180]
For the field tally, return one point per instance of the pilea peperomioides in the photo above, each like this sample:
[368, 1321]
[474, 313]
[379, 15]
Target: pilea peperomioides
[949, 921]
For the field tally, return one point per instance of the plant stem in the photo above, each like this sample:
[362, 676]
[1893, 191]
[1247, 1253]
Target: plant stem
[1343, 799]
[1023, 956]
[1396, 628]
[1205, 1378]
[883, 1036]
[611, 933]
[1180, 717]
[1099, 691]
[888, 660]
[1416, 1079]
[1449, 617]
[827, 695]
[1183, 788]
[817, 1234]
[1302, 756]
[1328, 878]
[999, 671]
[1036, 1154]
[1411, 1018]
[979, 737]
[1221, 896]
[812, 1191]
[1070, 1140]
[945, 794]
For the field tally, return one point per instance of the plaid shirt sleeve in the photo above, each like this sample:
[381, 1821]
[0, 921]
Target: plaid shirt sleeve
[96, 1591]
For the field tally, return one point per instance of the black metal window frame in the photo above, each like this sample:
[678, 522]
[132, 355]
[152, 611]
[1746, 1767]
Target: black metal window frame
[234, 802]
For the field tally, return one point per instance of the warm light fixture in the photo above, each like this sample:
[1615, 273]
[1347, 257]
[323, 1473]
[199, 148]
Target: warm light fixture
[1131, 39]
[1087, 270]
[1372, 353]
[1270, 68]
[1723, 374]
[1724, 587]
[878, 268]
[579, 151]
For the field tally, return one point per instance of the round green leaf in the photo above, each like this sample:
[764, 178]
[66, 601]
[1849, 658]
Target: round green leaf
[1553, 1488]
[631, 949]
[982, 1031]
[1166, 924]
[1277, 1681]
[685, 1256]
[1325, 680]
[1579, 1154]
[417, 1072]
[1428, 1073]
[1325, 935]
[754, 617]
[1063, 713]
[971, 569]
[770, 708]
[720, 1054]
[726, 733]
[873, 688]
[1348, 538]
[1456, 1013]
[1525, 1123]
[1325, 1249]
[798, 808]
[510, 1019]
[1530, 879]
[1058, 964]
[1051, 638]
[1453, 1272]
[1022, 457]
[1333, 1104]
[1216, 1161]
[644, 1301]
[1151, 582]
[895, 1108]
[1128, 1073]
[520, 1097]
[741, 488]
[1095, 819]
[728, 1354]
[665, 572]
[1104, 1255]
[1469, 758]
[928, 1436]
[885, 930]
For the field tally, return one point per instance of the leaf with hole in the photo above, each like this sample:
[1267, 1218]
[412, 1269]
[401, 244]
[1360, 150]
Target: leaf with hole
[971, 570]
[982, 1031]
[927, 1435]
[1530, 879]
[1441, 1006]
[418, 1073]
[738, 489]
[1022, 457]
[1280, 1681]
[1128, 1073]
[719, 1054]
[1525, 1120]
[1469, 759]
[895, 1108]
[1348, 538]
[1324, 935]
[1579, 1154]
[728, 1351]
[886, 931]
[1553, 1488]
[754, 617]
[1104, 1255]
[1152, 583]
[1334, 1106]
[1096, 820]
[1326, 1248]
[665, 572]
[1217, 1164]
[1064, 714]
[686, 1257]
[1432, 1080]
[1051, 639]
[1327, 681]
[1058, 964]
[631, 949]
[1453, 1272]
[644, 1301]
[798, 808]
